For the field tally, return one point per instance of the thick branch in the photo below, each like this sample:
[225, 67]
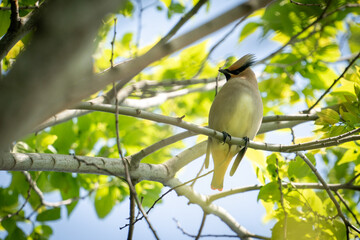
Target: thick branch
[170, 34]
[13, 35]
[41, 84]
[79, 164]
[202, 201]
[67, 82]
[127, 70]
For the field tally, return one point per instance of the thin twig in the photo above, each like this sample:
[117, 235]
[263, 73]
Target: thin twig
[22, 206]
[20, 8]
[126, 167]
[133, 194]
[207, 235]
[347, 207]
[171, 33]
[132, 216]
[212, 49]
[201, 226]
[198, 174]
[292, 39]
[333, 187]
[163, 195]
[305, 4]
[218, 235]
[293, 136]
[282, 199]
[137, 157]
[333, 84]
[139, 27]
[181, 22]
[328, 190]
[351, 181]
[217, 79]
[112, 45]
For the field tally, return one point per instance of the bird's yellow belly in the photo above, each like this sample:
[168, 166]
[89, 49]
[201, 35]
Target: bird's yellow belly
[240, 121]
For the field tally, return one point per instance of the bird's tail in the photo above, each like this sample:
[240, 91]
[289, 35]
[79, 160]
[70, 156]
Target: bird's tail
[207, 157]
[219, 172]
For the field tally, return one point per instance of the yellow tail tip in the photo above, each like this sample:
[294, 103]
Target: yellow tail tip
[214, 188]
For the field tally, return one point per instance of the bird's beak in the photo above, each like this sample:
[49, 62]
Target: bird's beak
[223, 71]
[226, 73]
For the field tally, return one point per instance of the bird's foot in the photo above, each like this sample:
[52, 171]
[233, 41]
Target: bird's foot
[246, 139]
[225, 136]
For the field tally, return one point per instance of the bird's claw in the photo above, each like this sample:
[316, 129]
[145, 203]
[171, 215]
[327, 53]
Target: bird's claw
[246, 139]
[225, 136]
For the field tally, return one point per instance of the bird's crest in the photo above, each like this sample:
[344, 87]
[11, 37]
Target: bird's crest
[242, 64]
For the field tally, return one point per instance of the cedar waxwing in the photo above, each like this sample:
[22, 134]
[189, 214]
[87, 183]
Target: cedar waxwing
[237, 111]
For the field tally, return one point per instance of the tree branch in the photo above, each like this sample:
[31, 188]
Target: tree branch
[79, 81]
[49, 83]
[328, 190]
[129, 180]
[23, 26]
[202, 201]
[347, 207]
[333, 84]
[332, 141]
[333, 187]
[124, 93]
[165, 39]
[137, 157]
[163, 49]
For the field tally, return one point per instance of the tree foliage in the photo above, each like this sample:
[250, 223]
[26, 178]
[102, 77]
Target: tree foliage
[313, 66]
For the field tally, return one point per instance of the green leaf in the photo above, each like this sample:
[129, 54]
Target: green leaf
[68, 185]
[43, 141]
[314, 201]
[9, 224]
[357, 91]
[175, 8]
[8, 198]
[49, 215]
[126, 40]
[330, 116]
[351, 155]
[353, 75]
[66, 137]
[4, 22]
[105, 200]
[166, 2]
[128, 9]
[270, 192]
[329, 53]
[271, 165]
[353, 41]
[299, 169]
[296, 230]
[247, 30]
[149, 192]
[44, 231]
[16, 234]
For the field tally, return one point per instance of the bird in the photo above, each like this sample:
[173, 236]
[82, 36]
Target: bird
[237, 111]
